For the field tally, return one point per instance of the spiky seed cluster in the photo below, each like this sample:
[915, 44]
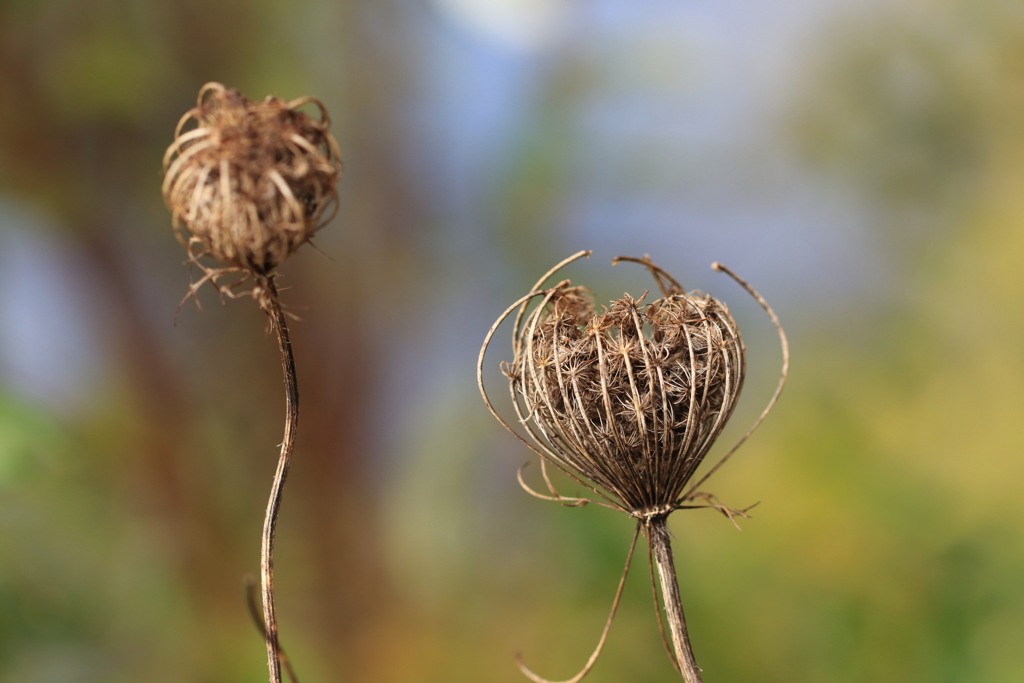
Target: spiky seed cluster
[252, 181]
[633, 396]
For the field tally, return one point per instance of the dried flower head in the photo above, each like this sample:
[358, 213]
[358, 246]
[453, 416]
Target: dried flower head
[628, 400]
[248, 185]
[252, 181]
[631, 397]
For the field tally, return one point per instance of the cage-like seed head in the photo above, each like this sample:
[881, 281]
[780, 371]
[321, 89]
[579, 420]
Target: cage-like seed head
[253, 180]
[633, 396]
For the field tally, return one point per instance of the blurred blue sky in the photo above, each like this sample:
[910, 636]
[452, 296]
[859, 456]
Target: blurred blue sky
[673, 142]
[679, 136]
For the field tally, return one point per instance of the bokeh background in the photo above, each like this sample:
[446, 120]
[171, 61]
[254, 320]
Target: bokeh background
[862, 163]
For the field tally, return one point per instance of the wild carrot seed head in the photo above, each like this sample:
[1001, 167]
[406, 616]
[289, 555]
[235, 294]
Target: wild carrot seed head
[252, 181]
[631, 397]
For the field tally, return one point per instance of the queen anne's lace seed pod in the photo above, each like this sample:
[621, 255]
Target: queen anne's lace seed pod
[628, 400]
[252, 181]
[632, 397]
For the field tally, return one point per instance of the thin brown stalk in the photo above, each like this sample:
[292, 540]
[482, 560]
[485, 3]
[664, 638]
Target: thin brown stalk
[257, 618]
[657, 608]
[661, 545]
[291, 392]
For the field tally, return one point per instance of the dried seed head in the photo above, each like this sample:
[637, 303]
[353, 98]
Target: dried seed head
[630, 397]
[627, 401]
[253, 181]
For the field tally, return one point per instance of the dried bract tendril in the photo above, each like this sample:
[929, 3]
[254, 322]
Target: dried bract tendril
[251, 182]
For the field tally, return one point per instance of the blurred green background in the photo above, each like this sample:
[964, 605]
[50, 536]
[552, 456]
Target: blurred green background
[860, 163]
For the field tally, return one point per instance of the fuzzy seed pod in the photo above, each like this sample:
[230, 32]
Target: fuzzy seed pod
[630, 397]
[252, 181]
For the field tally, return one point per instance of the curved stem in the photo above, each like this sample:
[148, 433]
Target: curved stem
[661, 544]
[291, 392]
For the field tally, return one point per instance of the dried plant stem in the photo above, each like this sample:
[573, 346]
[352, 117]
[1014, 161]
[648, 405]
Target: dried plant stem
[661, 544]
[277, 320]
[257, 618]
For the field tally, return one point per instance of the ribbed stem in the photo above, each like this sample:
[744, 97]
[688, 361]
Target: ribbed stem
[661, 545]
[291, 393]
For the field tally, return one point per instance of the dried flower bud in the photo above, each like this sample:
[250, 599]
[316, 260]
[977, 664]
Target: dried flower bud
[253, 181]
[633, 396]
